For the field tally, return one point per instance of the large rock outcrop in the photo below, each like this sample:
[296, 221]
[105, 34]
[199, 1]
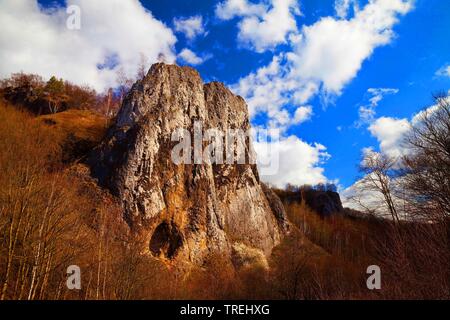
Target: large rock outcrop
[324, 202]
[184, 211]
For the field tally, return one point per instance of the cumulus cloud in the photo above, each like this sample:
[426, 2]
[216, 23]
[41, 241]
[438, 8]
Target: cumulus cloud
[390, 133]
[263, 26]
[324, 58]
[271, 90]
[190, 57]
[113, 34]
[191, 27]
[332, 51]
[298, 162]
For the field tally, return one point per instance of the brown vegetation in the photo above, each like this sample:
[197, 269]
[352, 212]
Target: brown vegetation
[40, 97]
[79, 131]
[53, 215]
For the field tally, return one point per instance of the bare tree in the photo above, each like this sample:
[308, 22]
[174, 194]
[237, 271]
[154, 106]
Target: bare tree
[142, 66]
[291, 271]
[162, 58]
[427, 169]
[379, 174]
[124, 83]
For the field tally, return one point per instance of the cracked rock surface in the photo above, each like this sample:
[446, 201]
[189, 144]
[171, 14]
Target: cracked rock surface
[184, 211]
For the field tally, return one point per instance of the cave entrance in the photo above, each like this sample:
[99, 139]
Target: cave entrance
[166, 240]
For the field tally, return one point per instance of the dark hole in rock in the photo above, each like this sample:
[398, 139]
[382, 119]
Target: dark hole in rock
[166, 240]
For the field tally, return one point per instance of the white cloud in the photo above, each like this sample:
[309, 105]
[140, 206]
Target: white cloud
[418, 116]
[444, 71]
[351, 198]
[302, 114]
[190, 57]
[332, 50]
[324, 58]
[112, 32]
[361, 195]
[236, 8]
[262, 26]
[299, 162]
[379, 93]
[325, 55]
[342, 7]
[357, 197]
[367, 112]
[191, 27]
[428, 111]
[390, 133]
[271, 89]
[366, 115]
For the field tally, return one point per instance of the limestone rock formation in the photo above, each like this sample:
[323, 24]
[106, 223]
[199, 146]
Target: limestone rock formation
[184, 211]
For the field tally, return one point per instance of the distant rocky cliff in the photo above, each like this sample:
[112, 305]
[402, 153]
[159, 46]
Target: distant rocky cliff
[324, 202]
[185, 211]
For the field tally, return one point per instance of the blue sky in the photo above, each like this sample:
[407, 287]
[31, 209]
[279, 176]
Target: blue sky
[409, 63]
[400, 49]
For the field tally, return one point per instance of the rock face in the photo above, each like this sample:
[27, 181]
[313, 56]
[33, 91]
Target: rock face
[184, 211]
[324, 202]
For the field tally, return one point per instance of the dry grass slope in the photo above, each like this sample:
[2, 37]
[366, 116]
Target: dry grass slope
[83, 124]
